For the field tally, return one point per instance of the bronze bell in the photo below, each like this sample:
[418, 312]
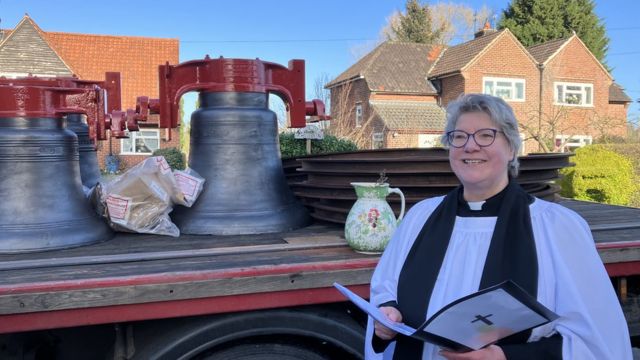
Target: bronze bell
[234, 143]
[43, 204]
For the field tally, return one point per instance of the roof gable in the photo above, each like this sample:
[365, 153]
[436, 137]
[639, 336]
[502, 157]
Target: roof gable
[547, 50]
[396, 67]
[26, 51]
[455, 58]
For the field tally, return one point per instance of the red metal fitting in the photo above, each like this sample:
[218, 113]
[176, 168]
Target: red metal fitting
[116, 123]
[239, 75]
[91, 100]
[315, 109]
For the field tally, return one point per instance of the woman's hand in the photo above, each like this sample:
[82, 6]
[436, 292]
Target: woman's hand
[392, 314]
[492, 352]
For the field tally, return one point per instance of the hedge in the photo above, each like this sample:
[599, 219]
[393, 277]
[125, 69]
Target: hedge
[291, 147]
[599, 175]
[174, 157]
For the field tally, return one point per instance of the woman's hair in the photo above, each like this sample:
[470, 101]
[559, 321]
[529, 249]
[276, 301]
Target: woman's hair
[500, 114]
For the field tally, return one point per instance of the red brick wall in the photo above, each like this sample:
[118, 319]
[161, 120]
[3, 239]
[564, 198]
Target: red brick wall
[505, 58]
[574, 63]
[452, 87]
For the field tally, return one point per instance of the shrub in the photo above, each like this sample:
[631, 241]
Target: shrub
[291, 147]
[174, 157]
[630, 151]
[599, 175]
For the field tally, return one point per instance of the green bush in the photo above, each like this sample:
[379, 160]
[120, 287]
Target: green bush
[174, 157]
[599, 175]
[632, 152]
[291, 147]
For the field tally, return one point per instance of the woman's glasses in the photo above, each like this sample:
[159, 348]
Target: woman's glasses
[482, 137]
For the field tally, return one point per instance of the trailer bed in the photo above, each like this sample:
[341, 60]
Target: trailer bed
[139, 277]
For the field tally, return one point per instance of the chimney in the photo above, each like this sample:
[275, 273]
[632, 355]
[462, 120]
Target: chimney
[486, 30]
[434, 52]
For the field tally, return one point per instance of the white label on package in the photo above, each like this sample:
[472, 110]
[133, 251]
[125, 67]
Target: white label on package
[119, 208]
[163, 165]
[159, 191]
[187, 184]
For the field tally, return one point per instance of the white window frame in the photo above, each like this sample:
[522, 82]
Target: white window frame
[572, 142]
[512, 88]
[583, 92]
[135, 135]
[358, 114]
[377, 137]
[429, 140]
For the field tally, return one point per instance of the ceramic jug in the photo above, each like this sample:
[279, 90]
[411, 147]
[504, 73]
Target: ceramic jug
[371, 221]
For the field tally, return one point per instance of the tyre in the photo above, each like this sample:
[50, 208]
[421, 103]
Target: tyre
[264, 351]
[308, 333]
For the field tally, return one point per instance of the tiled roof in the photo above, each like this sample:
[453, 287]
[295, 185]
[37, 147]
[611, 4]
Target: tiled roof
[136, 58]
[410, 115]
[457, 57]
[394, 67]
[617, 94]
[25, 50]
[542, 52]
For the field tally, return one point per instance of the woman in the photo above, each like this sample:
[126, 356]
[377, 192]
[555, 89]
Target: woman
[486, 231]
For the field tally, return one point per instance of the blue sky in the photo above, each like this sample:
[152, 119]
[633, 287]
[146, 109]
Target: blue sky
[327, 34]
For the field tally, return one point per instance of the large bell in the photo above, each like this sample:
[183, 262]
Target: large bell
[89, 167]
[234, 146]
[43, 206]
[234, 142]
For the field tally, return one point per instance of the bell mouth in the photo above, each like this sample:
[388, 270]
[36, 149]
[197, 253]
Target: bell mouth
[369, 184]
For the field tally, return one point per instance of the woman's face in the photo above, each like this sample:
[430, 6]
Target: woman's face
[482, 170]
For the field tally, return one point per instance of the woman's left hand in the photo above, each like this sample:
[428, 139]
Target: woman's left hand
[492, 352]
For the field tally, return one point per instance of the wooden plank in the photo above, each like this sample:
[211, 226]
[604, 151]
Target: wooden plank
[145, 293]
[293, 243]
[618, 255]
[148, 269]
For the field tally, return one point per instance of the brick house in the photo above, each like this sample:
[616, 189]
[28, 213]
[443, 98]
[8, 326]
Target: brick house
[27, 49]
[385, 99]
[558, 89]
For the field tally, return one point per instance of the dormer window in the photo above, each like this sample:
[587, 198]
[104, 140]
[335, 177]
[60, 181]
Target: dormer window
[509, 89]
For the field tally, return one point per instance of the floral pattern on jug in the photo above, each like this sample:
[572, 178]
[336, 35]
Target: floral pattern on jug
[371, 221]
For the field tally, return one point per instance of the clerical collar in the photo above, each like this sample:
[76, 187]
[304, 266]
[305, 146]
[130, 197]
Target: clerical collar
[489, 207]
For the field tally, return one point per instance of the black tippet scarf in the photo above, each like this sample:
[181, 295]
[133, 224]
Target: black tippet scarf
[512, 255]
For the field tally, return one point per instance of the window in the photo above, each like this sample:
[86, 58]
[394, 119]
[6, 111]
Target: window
[508, 89]
[358, 114]
[566, 143]
[141, 142]
[429, 140]
[377, 140]
[573, 94]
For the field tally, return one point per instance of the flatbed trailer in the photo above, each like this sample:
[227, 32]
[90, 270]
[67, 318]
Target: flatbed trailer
[144, 296]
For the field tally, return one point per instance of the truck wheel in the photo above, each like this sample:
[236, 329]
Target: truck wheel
[306, 333]
[267, 351]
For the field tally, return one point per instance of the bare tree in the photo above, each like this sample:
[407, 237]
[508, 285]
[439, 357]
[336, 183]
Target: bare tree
[343, 113]
[544, 128]
[605, 126]
[456, 22]
[319, 91]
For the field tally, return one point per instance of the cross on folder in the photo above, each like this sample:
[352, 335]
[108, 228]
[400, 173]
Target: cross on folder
[484, 319]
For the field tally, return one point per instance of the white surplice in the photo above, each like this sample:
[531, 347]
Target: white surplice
[572, 280]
